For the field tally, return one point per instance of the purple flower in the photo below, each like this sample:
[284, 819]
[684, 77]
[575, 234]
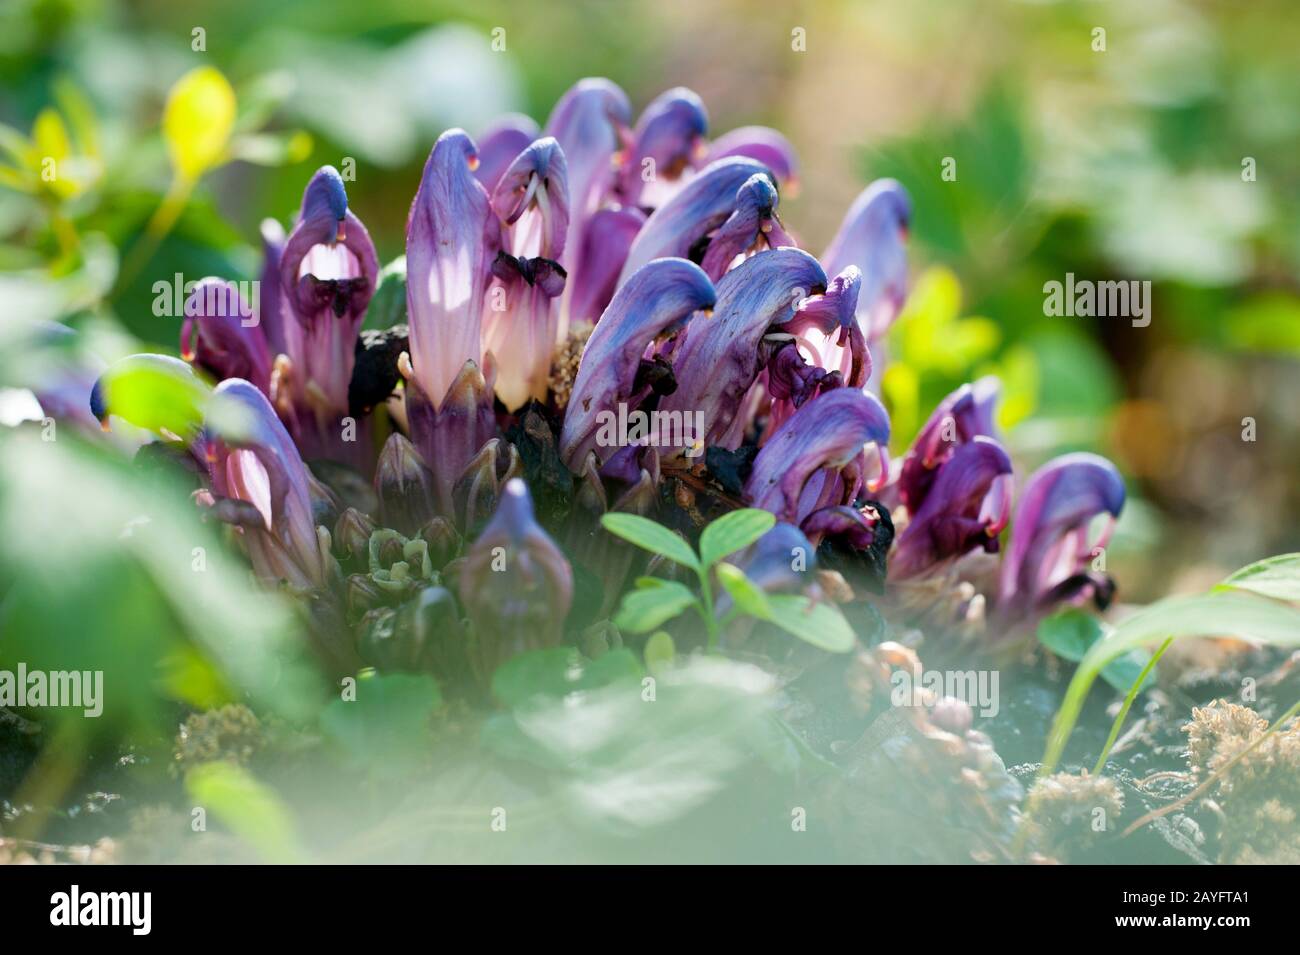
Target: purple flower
[218, 334]
[687, 221]
[967, 508]
[720, 356]
[667, 140]
[961, 417]
[328, 271]
[516, 584]
[452, 237]
[521, 317]
[259, 482]
[590, 122]
[871, 237]
[654, 302]
[1049, 555]
[817, 458]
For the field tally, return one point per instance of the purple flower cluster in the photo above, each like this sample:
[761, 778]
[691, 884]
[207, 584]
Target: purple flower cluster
[589, 267]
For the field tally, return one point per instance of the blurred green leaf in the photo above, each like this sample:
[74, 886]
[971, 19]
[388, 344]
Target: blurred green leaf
[748, 596]
[248, 808]
[648, 535]
[111, 570]
[653, 603]
[197, 121]
[157, 393]
[1277, 577]
[820, 624]
[732, 532]
[386, 727]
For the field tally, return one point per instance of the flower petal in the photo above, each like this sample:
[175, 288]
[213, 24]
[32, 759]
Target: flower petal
[452, 236]
[605, 244]
[871, 237]
[679, 226]
[793, 474]
[719, 356]
[1048, 537]
[499, 144]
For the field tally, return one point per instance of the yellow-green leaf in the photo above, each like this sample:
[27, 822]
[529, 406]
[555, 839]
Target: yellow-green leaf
[197, 121]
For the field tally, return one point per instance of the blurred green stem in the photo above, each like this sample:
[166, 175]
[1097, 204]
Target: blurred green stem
[160, 224]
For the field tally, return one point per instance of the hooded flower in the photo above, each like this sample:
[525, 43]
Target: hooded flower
[871, 237]
[613, 372]
[521, 317]
[667, 141]
[516, 585]
[590, 123]
[684, 225]
[961, 417]
[720, 356]
[817, 458]
[260, 483]
[220, 336]
[968, 506]
[1049, 555]
[452, 237]
[328, 272]
[767, 146]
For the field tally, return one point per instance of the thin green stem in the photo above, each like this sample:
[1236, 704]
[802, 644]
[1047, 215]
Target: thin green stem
[1128, 703]
[706, 598]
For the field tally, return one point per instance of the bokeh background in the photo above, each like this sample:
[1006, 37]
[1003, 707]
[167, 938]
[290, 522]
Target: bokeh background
[1170, 157]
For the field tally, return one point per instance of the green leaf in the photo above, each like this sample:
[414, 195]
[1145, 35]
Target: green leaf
[198, 120]
[157, 393]
[557, 671]
[748, 596]
[820, 624]
[648, 535]
[732, 532]
[1071, 633]
[110, 569]
[387, 724]
[1222, 613]
[1277, 577]
[248, 808]
[388, 305]
[647, 607]
[659, 651]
